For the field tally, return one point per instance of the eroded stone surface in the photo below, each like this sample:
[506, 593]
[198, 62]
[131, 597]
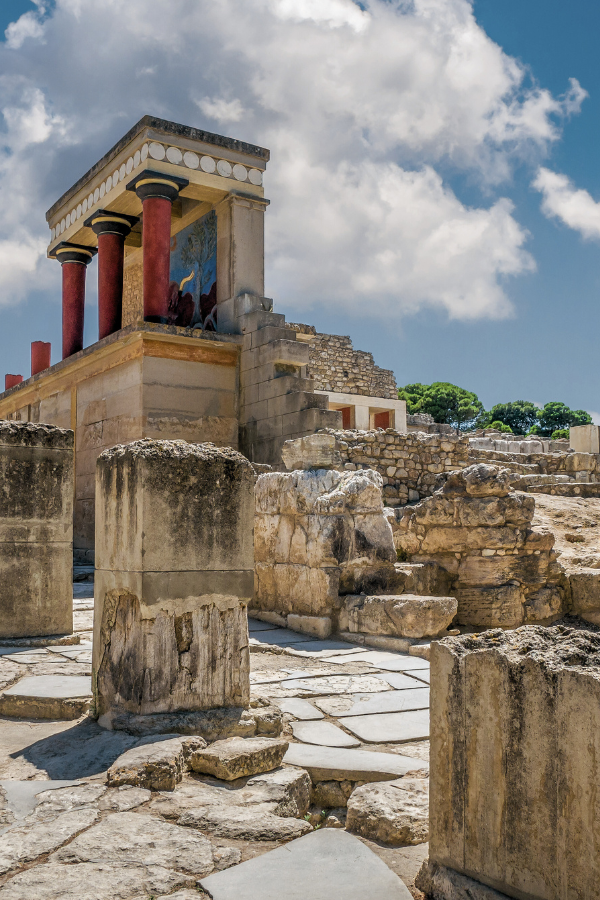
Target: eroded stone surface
[28, 842]
[393, 812]
[238, 757]
[244, 823]
[157, 764]
[403, 615]
[93, 881]
[136, 838]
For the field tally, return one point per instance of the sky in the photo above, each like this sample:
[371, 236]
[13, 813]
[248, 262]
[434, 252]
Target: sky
[434, 185]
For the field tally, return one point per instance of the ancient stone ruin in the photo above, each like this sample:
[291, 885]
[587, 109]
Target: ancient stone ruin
[36, 538]
[174, 576]
[515, 738]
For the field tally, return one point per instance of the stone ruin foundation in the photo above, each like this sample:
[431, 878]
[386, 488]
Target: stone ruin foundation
[503, 571]
[36, 530]
[515, 743]
[173, 578]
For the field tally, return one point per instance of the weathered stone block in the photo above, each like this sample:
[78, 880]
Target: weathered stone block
[518, 711]
[491, 607]
[315, 451]
[319, 626]
[36, 530]
[585, 594]
[239, 757]
[404, 615]
[174, 574]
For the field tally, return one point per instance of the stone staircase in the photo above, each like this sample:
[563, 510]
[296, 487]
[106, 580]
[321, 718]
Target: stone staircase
[277, 400]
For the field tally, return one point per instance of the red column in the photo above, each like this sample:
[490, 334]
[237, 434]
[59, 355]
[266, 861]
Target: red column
[74, 261]
[11, 381]
[157, 191]
[40, 356]
[112, 229]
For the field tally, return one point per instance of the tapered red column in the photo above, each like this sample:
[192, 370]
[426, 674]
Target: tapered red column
[157, 191]
[74, 260]
[112, 229]
[40, 356]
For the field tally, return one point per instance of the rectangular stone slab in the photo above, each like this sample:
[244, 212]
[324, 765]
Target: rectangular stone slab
[323, 734]
[325, 865]
[300, 709]
[257, 625]
[61, 686]
[369, 704]
[389, 727]
[402, 681]
[282, 635]
[338, 764]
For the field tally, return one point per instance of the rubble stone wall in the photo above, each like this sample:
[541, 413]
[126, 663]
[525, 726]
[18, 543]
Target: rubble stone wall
[409, 464]
[515, 740]
[36, 530]
[504, 571]
[336, 366]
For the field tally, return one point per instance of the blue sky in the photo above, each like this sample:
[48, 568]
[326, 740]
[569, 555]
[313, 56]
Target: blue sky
[359, 247]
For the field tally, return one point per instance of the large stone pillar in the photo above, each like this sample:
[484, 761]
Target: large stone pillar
[112, 229]
[174, 574]
[157, 191]
[74, 260]
[36, 530]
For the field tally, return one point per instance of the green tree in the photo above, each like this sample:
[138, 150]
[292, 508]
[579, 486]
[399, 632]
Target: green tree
[447, 403]
[519, 415]
[500, 426]
[557, 416]
[559, 434]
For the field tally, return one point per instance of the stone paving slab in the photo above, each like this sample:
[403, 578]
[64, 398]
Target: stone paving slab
[325, 734]
[389, 727]
[340, 764]
[334, 684]
[278, 636]
[328, 864]
[300, 709]
[52, 686]
[257, 625]
[402, 681]
[421, 674]
[47, 697]
[326, 649]
[22, 796]
[369, 704]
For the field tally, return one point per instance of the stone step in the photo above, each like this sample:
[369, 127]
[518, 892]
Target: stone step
[340, 764]
[47, 697]
[83, 573]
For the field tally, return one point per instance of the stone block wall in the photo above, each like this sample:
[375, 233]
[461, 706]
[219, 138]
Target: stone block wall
[36, 530]
[174, 573]
[578, 466]
[409, 464]
[318, 534]
[504, 571]
[336, 366]
[515, 743]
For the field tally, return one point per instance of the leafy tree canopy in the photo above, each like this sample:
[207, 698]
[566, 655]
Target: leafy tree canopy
[447, 403]
[560, 433]
[519, 415]
[557, 416]
[500, 426]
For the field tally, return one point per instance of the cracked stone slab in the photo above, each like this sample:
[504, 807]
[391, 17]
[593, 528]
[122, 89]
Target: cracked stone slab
[27, 842]
[402, 681]
[238, 757]
[250, 823]
[389, 727]
[300, 709]
[339, 764]
[325, 734]
[129, 837]
[21, 797]
[52, 802]
[92, 881]
[393, 812]
[367, 704]
[324, 685]
[47, 697]
[325, 865]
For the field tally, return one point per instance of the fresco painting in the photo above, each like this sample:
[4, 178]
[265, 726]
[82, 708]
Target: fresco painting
[193, 286]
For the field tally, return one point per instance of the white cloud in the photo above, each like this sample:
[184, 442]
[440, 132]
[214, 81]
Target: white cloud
[364, 110]
[27, 26]
[573, 206]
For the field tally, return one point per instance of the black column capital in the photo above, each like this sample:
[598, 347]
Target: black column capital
[103, 221]
[66, 252]
[157, 184]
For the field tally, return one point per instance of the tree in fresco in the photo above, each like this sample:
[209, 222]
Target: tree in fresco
[198, 254]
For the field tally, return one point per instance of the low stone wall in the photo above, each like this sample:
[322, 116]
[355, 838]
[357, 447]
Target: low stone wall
[36, 530]
[579, 466]
[515, 740]
[409, 464]
[318, 534]
[504, 572]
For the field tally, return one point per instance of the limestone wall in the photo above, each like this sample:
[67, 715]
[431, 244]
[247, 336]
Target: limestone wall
[174, 573]
[515, 740]
[336, 366]
[318, 534]
[36, 530]
[504, 572]
[578, 466]
[409, 464]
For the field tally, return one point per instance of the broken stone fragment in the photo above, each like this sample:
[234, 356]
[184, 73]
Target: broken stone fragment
[238, 757]
[478, 481]
[403, 615]
[157, 764]
[393, 812]
[331, 794]
[128, 837]
[253, 823]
